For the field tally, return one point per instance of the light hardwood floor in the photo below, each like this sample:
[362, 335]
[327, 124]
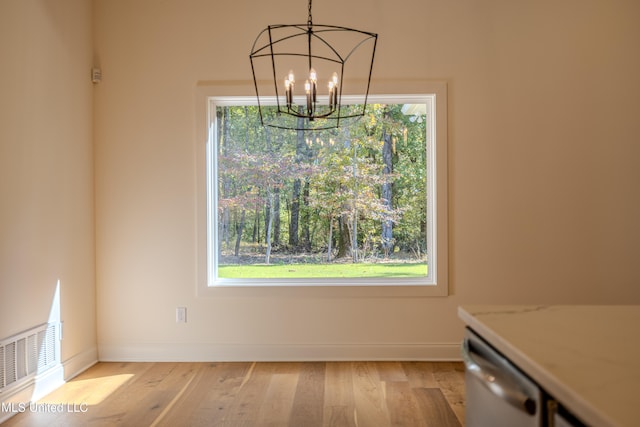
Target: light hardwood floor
[256, 394]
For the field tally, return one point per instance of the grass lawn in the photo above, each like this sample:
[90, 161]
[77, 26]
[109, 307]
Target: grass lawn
[319, 271]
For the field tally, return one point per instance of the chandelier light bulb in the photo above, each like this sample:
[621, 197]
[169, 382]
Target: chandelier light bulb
[307, 89]
[333, 91]
[313, 77]
[288, 90]
[331, 94]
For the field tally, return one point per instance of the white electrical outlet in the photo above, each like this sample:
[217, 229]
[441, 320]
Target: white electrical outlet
[96, 75]
[181, 315]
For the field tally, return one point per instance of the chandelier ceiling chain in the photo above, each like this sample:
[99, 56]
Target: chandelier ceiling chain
[290, 50]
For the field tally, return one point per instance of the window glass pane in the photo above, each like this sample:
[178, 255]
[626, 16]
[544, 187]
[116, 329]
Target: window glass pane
[340, 203]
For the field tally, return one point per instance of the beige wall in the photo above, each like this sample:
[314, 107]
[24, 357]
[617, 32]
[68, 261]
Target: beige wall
[543, 169]
[544, 166]
[46, 172]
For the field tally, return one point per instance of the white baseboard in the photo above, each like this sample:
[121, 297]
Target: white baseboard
[13, 401]
[80, 362]
[193, 352]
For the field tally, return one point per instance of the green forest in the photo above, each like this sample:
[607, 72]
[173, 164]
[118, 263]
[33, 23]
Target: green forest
[349, 196]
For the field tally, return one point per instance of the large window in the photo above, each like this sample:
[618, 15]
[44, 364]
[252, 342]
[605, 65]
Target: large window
[355, 206]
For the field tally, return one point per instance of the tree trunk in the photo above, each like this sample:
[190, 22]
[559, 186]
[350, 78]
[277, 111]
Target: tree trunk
[246, 130]
[219, 236]
[269, 226]
[330, 239]
[295, 196]
[305, 218]
[354, 203]
[256, 226]
[276, 217]
[239, 233]
[387, 193]
[295, 212]
[267, 216]
[226, 185]
[344, 236]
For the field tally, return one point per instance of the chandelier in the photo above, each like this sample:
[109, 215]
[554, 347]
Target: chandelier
[299, 74]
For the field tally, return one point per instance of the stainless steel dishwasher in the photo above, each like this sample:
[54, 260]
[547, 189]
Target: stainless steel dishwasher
[498, 394]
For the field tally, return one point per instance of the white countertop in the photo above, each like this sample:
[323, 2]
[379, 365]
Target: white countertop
[586, 357]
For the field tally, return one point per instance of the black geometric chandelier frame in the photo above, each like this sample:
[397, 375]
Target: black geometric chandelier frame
[322, 54]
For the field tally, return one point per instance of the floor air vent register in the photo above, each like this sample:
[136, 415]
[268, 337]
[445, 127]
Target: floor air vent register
[25, 355]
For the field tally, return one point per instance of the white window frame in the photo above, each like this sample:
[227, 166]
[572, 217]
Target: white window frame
[209, 96]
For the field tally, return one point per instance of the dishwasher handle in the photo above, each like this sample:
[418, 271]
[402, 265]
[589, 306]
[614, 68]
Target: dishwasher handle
[501, 387]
